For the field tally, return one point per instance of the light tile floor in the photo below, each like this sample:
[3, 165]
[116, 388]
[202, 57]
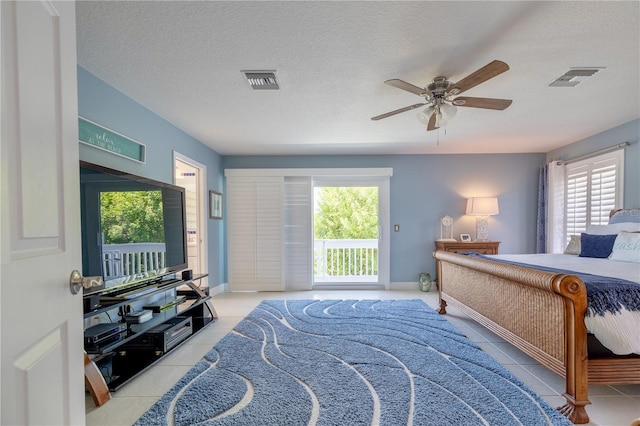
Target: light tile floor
[610, 405]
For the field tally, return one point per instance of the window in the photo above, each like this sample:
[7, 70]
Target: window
[593, 188]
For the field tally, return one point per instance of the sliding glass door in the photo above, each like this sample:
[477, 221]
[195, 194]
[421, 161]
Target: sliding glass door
[349, 235]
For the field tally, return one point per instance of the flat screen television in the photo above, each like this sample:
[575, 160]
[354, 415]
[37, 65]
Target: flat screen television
[133, 228]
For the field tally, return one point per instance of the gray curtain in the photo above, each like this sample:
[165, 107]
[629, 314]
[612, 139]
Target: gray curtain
[543, 196]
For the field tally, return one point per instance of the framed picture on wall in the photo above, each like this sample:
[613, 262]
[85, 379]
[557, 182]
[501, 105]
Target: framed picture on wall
[215, 205]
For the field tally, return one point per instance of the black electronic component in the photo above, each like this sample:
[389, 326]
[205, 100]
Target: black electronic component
[100, 332]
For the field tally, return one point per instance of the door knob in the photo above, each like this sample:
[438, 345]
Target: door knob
[77, 281]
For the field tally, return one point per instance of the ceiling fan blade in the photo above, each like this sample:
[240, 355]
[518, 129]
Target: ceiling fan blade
[400, 84]
[398, 111]
[432, 122]
[488, 103]
[490, 70]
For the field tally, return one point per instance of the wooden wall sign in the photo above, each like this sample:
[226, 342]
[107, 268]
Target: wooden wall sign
[100, 137]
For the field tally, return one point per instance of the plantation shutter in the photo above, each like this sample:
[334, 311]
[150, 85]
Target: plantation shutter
[255, 233]
[593, 189]
[603, 191]
[298, 233]
[576, 193]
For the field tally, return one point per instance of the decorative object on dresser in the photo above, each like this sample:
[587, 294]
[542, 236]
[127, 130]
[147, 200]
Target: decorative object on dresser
[482, 208]
[446, 229]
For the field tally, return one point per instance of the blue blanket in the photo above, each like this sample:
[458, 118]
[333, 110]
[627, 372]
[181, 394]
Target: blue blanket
[604, 294]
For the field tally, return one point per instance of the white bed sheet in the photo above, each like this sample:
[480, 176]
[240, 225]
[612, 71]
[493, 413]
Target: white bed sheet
[619, 332]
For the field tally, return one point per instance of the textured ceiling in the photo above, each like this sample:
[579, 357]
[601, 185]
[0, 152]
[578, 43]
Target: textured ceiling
[182, 60]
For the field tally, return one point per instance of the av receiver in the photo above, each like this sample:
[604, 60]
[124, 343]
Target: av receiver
[163, 337]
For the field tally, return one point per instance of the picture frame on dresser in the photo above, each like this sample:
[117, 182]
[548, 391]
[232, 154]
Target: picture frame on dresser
[465, 238]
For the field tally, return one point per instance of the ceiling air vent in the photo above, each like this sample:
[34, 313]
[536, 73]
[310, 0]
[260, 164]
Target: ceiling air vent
[262, 80]
[574, 76]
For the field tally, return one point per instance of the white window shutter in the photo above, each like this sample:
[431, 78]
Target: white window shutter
[298, 233]
[255, 230]
[577, 201]
[593, 188]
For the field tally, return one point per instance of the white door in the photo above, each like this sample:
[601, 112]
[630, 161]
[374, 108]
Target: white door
[41, 348]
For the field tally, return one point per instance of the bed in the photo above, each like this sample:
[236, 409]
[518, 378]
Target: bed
[542, 311]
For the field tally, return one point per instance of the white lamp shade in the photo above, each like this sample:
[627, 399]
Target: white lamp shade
[482, 206]
[448, 111]
[425, 115]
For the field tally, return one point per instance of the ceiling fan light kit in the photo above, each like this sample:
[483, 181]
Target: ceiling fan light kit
[440, 96]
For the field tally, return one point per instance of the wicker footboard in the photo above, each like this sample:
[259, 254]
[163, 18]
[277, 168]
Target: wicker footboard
[541, 313]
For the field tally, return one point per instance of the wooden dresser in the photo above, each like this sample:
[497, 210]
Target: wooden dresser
[482, 247]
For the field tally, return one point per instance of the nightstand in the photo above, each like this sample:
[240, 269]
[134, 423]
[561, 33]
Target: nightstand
[482, 247]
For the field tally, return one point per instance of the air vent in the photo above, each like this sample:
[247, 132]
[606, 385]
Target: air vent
[262, 80]
[574, 76]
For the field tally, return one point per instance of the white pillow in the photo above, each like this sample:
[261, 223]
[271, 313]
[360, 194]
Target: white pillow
[574, 245]
[626, 248]
[613, 229]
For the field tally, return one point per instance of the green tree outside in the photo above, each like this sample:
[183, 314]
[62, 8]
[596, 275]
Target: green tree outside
[132, 217]
[347, 213]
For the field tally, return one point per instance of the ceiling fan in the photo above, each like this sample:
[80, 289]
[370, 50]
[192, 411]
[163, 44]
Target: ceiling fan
[442, 96]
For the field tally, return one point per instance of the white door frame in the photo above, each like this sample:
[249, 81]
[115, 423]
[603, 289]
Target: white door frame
[202, 195]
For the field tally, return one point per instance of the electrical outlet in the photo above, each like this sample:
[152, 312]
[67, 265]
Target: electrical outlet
[396, 228]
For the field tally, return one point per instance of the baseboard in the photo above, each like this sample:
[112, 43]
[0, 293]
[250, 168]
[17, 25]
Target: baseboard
[397, 286]
[403, 286]
[348, 287]
[220, 288]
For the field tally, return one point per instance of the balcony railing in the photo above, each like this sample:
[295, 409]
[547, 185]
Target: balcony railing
[129, 259]
[333, 260]
[345, 260]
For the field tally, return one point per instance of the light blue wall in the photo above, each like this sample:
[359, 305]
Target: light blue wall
[427, 187]
[423, 187]
[629, 132]
[104, 105]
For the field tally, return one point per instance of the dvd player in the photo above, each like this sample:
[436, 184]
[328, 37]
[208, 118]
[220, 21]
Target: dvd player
[106, 342]
[99, 332]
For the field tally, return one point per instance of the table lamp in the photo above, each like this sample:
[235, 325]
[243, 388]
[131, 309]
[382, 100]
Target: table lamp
[482, 208]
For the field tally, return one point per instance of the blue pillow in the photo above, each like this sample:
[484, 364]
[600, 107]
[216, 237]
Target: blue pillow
[599, 246]
[626, 215]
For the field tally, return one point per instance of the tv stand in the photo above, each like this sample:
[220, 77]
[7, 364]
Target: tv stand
[178, 310]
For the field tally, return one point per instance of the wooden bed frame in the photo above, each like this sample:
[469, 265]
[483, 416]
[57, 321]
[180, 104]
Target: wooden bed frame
[541, 313]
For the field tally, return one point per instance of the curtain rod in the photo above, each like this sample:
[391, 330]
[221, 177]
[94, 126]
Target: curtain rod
[591, 154]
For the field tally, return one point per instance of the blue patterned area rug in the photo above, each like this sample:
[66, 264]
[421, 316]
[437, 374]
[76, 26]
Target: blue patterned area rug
[348, 362]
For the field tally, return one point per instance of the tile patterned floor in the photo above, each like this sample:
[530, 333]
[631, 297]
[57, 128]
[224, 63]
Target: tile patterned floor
[610, 405]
